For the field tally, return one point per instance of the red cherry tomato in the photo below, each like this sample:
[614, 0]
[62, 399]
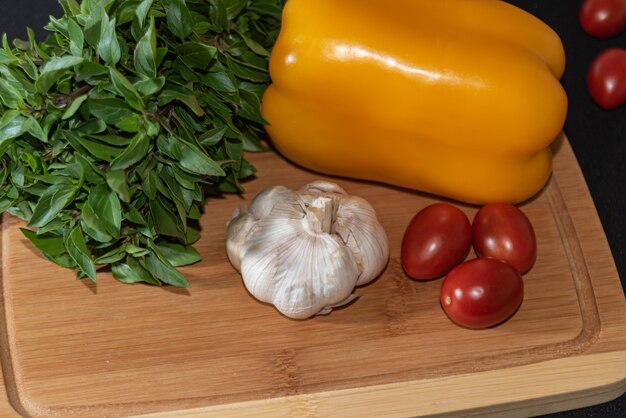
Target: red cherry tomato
[481, 293]
[603, 18]
[606, 79]
[437, 238]
[502, 231]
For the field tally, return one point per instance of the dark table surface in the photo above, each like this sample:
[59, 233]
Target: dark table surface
[597, 136]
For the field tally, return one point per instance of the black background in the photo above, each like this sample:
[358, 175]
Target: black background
[597, 136]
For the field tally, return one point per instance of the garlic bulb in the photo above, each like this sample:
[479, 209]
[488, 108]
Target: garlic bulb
[305, 251]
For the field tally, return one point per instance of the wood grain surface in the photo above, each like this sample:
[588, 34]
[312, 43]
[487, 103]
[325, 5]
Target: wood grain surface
[75, 348]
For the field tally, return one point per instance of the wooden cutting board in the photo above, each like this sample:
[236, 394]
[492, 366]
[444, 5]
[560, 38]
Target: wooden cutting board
[74, 348]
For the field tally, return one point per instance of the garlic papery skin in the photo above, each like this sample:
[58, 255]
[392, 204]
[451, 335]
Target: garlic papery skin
[244, 220]
[305, 251]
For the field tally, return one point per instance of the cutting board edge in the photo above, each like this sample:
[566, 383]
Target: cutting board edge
[11, 401]
[565, 383]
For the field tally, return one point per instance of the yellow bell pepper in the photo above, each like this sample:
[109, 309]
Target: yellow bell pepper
[460, 98]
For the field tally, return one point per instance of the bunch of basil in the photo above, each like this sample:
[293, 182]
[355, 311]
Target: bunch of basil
[116, 128]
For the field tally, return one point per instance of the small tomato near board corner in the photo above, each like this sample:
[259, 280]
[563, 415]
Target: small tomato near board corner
[603, 18]
[606, 78]
[481, 293]
[503, 231]
[438, 237]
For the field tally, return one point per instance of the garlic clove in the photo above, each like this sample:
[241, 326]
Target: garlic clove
[244, 220]
[358, 227]
[238, 232]
[322, 187]
[263, 203]
[328, 309]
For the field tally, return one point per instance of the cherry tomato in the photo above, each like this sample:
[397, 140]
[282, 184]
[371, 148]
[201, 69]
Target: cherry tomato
[606, 79]
[603, 18]
[502, 231]
[437, 239]
[481, 293]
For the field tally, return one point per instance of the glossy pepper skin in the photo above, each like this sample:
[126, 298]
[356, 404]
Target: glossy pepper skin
[460, 98]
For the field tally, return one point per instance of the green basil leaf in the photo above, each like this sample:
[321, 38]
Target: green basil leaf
[182, 94]
[160, 268]
[49, 244]
[108, 45]
[98, 149]
[254, 46]
[181, 194]
[113, 256]
[51, 203]
[212, 136]
[77, 39]
[10, 96]
[202, 27]
[6, 203]
[234, 149]
[196, 54]
[115, 140]
[193, 235]
[93, 226]
[246, 169]
[145, 52]
[234, 7]
[90, 71]
[250, 107]
[126, 11]
[133, 215]
[63, 260]
[92, 15]
[251, 142]
[92, 174]
[151, 185]
[53, 249]
[11, 126]
[78, 251]
[53, 70]
[220, 81]
[149, 86]
[134, 152]
[190, 157]
[124, 88]
[111, 110]
[142, 11]
[17, 81]
[32, 127]
[220, 109]
[132, 124]
[220, 15]
[74, 106]
[179, 19]
[7, 59]
[55, 25]
[186, 180]
[194, 212]
[177, 254]
[136, 251]
[163, 220]
[70, 7]
[107, 210]
[132, 272]
[117, 181]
